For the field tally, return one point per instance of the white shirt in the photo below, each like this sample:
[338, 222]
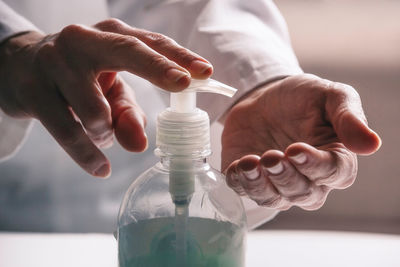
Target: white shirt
[248, 44]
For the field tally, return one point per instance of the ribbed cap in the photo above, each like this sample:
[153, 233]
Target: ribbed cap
[183, 134]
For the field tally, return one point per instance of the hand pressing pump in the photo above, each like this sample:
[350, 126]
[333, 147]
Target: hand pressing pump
[180, 212]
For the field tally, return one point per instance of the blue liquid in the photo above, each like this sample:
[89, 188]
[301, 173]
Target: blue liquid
[153, 243]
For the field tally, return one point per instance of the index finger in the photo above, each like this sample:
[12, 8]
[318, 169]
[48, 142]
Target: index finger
[106, 51]
[199, 67]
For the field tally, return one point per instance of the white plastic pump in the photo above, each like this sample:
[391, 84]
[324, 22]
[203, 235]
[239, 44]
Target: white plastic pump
[183, 133]
[183, 129]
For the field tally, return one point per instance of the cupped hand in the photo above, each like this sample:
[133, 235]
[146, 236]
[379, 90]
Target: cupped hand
[68, 81]
[290, 142]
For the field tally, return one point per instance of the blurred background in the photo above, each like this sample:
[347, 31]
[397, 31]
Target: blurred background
[353, 41]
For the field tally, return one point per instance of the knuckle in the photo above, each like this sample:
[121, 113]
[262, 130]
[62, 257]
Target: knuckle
[183, 54]
[343, 92]
[316, 205]
[158, 62]
[347, 182]
[301, 197]
[344, 176]
[272, 202]
[71, 137]
[255, 188]
[319, 196]
[97, 115]
[109, 24]
[71, 31]
[70, 36]
[255, 191]
[238, 189]
[232, 182]
[158, 39]
[121, 43]
[286, 181]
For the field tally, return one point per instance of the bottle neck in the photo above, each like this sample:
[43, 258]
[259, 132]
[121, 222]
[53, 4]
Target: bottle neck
[189, 162]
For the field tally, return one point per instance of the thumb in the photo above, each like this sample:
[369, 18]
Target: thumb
[344, 111]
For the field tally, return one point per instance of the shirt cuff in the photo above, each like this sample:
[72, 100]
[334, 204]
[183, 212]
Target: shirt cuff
[13, 133]
[12, 23]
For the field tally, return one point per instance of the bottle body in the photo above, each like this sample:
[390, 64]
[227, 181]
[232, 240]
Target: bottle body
[157, 227]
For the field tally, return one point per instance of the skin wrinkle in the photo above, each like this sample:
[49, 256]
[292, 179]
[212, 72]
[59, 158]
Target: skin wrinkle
[303, 122]
[338, 179]
[285, 125]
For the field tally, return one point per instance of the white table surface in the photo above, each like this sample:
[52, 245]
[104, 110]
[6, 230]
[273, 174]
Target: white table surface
[264, 248]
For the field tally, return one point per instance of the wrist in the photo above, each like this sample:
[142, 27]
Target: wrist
[253, 94]
[19, 41]
[15, 66]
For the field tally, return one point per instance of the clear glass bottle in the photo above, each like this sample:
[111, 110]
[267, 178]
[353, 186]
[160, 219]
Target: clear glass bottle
[180, 212]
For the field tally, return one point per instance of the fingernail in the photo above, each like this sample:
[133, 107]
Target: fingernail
[299, 158]
[176, 75]
[252, 174]
[103, 171]
[276, 169]
[200, 66]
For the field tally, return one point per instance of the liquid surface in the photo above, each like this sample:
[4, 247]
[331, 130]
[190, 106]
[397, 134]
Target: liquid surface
[208, 243]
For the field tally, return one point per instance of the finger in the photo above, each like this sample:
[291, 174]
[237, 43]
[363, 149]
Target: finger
[107, 51]
[331, 165]
[198, 66]
[344, 111]
[82, 93]
[128, 118]
[257, 186]
[232, 178]
[286, 179]
[53, 112]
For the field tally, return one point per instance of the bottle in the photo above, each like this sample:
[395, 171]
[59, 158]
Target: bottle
[180, 212]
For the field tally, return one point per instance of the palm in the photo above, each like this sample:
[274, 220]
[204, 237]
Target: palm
[292, 141]
[274, 118]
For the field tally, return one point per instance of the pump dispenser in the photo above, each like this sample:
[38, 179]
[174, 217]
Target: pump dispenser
[180, 212]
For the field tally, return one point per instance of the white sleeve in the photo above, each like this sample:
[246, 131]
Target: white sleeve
[248, 44]
[12, 23]
[12, 131]
[12, 134]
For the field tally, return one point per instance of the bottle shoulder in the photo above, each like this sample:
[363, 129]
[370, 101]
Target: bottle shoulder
[151, 195]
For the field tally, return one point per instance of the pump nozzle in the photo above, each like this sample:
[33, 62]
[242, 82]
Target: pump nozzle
[185, 101]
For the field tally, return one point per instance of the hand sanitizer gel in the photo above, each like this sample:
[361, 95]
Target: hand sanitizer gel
[180, 212]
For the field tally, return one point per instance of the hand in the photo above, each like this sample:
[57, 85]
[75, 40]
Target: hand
[68, 81]
[289, 143]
